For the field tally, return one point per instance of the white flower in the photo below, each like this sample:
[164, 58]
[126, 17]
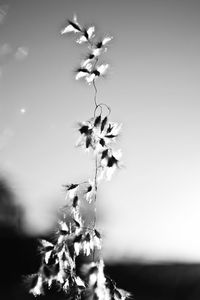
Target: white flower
[60, 239]
[101, 291]
[65, 260]
[87, 247]
[90, 32]
[109, 172]
[100, 46]
[66, 285]
[73, 26]
[97, 51]
[63, 226]
[91, 193]
[47, 247]
[49, 282]
[47, 256]
[72, 192]
[64, 230]
[90, 78]
[86, 62]
[84, 72]
[77, 248]
[100, 277]
[109, 163]
[38, 288]
[106, 40]
[99, 71]
[46, 244]
[82, 39]
[113, 130]
[68, 28]
[87, 244]
[92, 279]
[124, 294]
[97, 242]
[60, 277]
[79, 281]
[75, 212]
[87, 35]
[102, 69]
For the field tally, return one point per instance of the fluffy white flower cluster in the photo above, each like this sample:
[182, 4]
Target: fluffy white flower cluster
[87, 242]
[98, 135]
[59, 258]
[88, 70]
[74, 239]
[75, 192]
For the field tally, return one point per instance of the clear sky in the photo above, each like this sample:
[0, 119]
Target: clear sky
[151, 208]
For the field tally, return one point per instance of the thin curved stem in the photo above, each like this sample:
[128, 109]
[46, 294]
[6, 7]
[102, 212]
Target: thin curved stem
[108, 107]
[95, 94]
[96, 187]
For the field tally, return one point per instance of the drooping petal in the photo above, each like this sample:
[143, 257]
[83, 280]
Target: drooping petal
[106, 40]
[97, 51]
[63, 227]
[102, 69]
[79, 282]
[82, 39]
[47, 256]
[84, 71]
[73, 26]
[117, 154]
[90, 32]
[124, 294]
[68, 28]
[66, 285]
[47, 246]
[86, 35]
[38, 288]
[81, 74]
[71, 190]
[109, 172]
[77, 248]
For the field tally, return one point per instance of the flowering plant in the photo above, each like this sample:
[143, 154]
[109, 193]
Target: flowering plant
[73, 237]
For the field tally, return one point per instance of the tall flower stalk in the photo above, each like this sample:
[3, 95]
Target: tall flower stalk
[75, 240]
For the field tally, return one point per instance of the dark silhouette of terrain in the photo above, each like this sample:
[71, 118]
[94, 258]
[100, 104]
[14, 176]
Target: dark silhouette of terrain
[167, 281]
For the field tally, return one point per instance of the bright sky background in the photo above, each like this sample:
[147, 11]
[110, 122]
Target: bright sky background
[151, 208]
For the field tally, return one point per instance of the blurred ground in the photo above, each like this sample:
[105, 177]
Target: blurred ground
[158, 281]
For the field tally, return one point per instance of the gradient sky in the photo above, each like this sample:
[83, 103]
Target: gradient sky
[151, 208]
